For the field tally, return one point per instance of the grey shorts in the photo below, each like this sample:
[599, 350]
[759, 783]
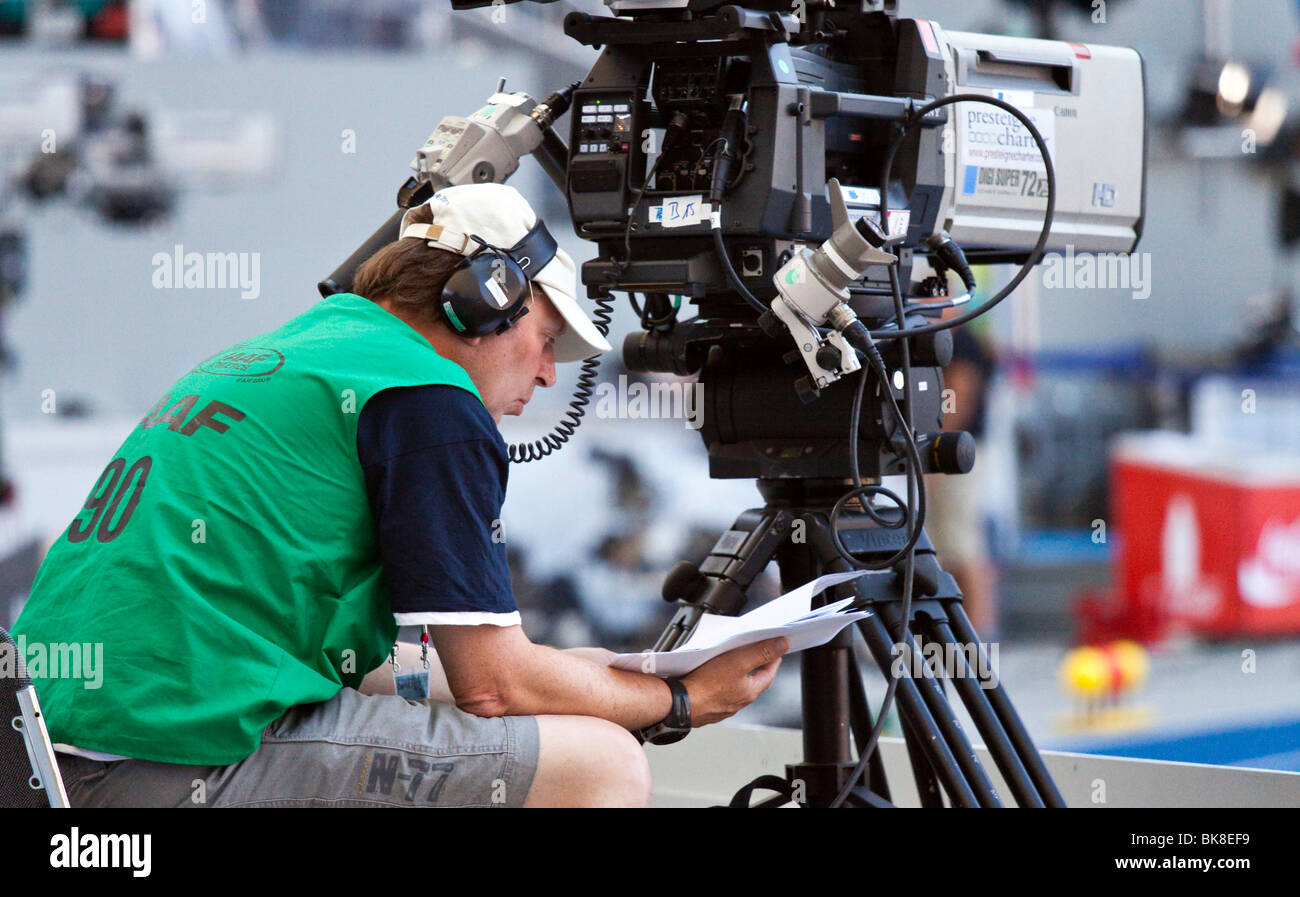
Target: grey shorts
[353, 750]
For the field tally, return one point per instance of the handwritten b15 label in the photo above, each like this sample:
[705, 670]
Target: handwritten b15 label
[680, 211]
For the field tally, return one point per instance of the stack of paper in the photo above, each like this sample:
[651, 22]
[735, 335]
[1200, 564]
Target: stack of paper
[791, 616]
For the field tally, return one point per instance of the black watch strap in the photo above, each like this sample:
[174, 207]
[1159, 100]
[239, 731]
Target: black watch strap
[677, 724]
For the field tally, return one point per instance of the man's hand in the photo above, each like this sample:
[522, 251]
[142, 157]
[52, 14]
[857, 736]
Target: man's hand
[729, 682]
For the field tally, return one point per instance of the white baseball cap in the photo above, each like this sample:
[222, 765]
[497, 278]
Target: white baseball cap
[499, 214]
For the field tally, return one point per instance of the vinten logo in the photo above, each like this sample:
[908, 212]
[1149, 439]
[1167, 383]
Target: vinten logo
[91, 851]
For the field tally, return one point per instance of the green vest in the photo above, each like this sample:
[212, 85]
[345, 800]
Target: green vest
[226, 559]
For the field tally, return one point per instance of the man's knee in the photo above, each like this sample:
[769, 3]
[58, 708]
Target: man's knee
[585, 761]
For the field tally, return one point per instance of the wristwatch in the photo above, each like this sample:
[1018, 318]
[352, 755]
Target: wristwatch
[677, 724]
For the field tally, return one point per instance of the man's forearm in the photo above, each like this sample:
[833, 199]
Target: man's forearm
[379, 681]
[497, 671]
[549, 681]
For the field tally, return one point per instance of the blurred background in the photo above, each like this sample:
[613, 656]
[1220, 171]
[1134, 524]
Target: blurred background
[1130, 546]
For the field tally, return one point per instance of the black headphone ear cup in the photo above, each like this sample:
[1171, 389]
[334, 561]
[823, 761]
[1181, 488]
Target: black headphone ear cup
[459, 298]
[483, 293]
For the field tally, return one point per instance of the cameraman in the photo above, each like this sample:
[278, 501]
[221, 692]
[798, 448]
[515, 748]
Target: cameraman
[248, 556]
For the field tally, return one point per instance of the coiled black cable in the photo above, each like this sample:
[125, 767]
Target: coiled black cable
[523, 452]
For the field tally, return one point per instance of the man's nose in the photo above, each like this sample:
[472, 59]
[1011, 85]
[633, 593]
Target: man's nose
[546, 376]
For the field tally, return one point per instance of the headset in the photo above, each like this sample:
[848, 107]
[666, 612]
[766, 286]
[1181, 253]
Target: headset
[488, 291]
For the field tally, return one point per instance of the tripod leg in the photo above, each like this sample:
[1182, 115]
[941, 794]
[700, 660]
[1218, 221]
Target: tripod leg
[824, 679]
[950, 728]
[912, 707]
[861, 723]
[824, 674]
[995, 738]
[862, 797]
[927, 786]
[1007, 715]
[931, 722]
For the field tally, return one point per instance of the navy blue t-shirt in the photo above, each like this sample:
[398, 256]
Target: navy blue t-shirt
[436, 468]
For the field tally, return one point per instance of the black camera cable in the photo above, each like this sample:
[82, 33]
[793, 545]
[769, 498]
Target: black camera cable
[956, 261]
[915, 499]
[1049, 212]
[728, 141]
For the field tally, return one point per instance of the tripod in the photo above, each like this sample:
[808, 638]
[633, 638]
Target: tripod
[793, 528]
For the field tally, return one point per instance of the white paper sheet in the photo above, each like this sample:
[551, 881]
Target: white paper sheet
[790, 615]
